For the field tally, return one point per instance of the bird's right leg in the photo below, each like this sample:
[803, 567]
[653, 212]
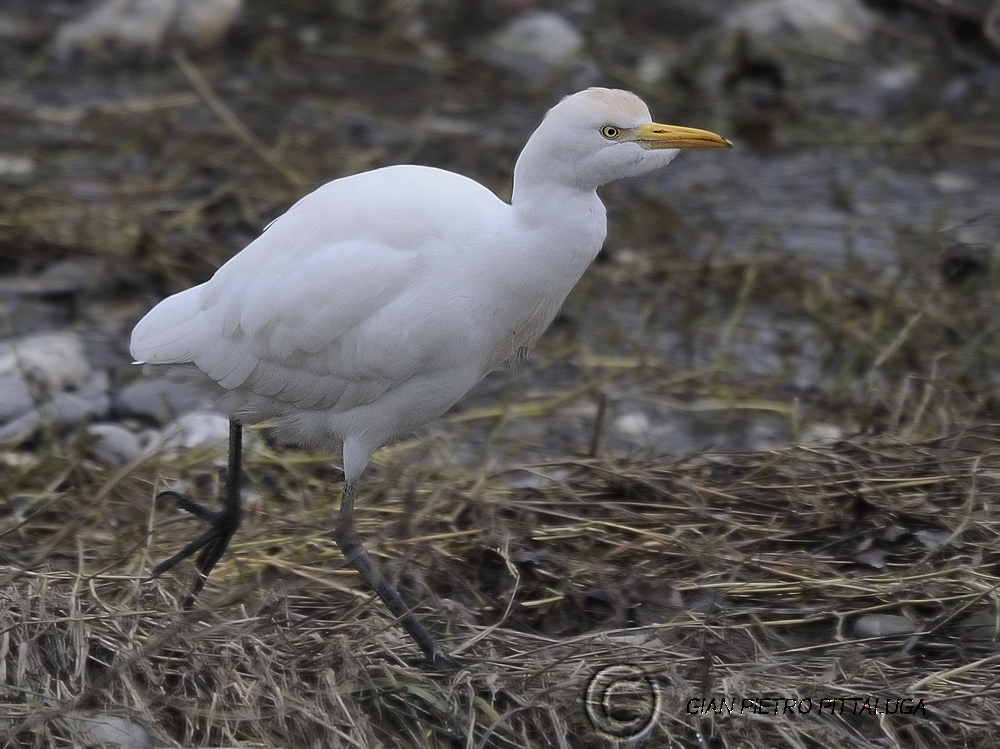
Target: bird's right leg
[223, 523]
[354, 552]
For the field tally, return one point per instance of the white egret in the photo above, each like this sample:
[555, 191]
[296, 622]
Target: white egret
[377, 301]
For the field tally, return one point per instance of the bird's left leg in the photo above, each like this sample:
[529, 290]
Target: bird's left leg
[223, 523]
[354, 552]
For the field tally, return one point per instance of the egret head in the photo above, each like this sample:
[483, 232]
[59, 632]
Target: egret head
[599, 135]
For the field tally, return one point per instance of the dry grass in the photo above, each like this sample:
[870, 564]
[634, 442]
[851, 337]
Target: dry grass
[751, 575]
[724, 575]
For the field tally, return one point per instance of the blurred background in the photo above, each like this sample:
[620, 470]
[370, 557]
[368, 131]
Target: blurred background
[831, 283]
[834, 274]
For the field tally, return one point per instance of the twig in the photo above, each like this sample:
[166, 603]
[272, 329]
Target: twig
[235, 125]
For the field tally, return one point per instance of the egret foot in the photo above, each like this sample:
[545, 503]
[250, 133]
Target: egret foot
[223, 523]
[354, 552]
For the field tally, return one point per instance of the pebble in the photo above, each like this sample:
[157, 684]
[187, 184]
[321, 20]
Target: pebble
[14, 168]
[97, 392]
[15, 396]
[53, 360]
[950, 183]
[46, 379]
[65, 410]
[883, 625]
[202, 24]
[159, 400]
[65, 278]
[114, 445]
[826, 27]
[197, 430]
[654, 66]
[139, 26]
[143, 27]
[935, 539]
[534, 44]
[821, 434]
[110, 731]
[634, 424]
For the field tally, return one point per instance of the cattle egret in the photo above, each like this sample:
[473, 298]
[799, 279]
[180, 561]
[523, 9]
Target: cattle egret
[377, 301]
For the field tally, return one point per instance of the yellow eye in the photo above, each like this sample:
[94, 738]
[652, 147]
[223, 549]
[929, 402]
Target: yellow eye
[610, 132]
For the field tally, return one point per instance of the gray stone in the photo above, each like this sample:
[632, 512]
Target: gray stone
[97, 392]
[158, 399]
[143, 27]
[62, 409]
[197, 430]
[52, 360]
[16, 169]
[114, 445]
[201, 24]
[16, 397]
[883, 625]
[534, 44]
[830, 27]
[111, 731]
[63, 278]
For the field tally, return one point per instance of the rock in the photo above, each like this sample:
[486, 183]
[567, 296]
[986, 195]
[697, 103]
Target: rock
[821, 434]
[936, 539]
[896, 85]
[16, 397]
[950, 183]
[708, 602]
[197, 430]
[113, 445]
[63, 409]
[873, 557]
[110, 731]
[883, 625]
[634, 424]
[158, 399]
[16, 169]
[52, 360]
[97, 392]
[653, 66]
[142, 27]
[534, 44]
[126, 26]
[829, 27]
[202, 24]
[60, 279]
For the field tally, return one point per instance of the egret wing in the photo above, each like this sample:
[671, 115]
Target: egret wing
[296, 316]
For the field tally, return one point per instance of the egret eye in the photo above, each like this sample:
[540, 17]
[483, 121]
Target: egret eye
[610, 132]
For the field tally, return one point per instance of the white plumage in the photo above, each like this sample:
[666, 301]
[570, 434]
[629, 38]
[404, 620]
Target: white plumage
[380, 299]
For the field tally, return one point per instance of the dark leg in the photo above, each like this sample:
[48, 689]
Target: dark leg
[223, 523]
[354, 552]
